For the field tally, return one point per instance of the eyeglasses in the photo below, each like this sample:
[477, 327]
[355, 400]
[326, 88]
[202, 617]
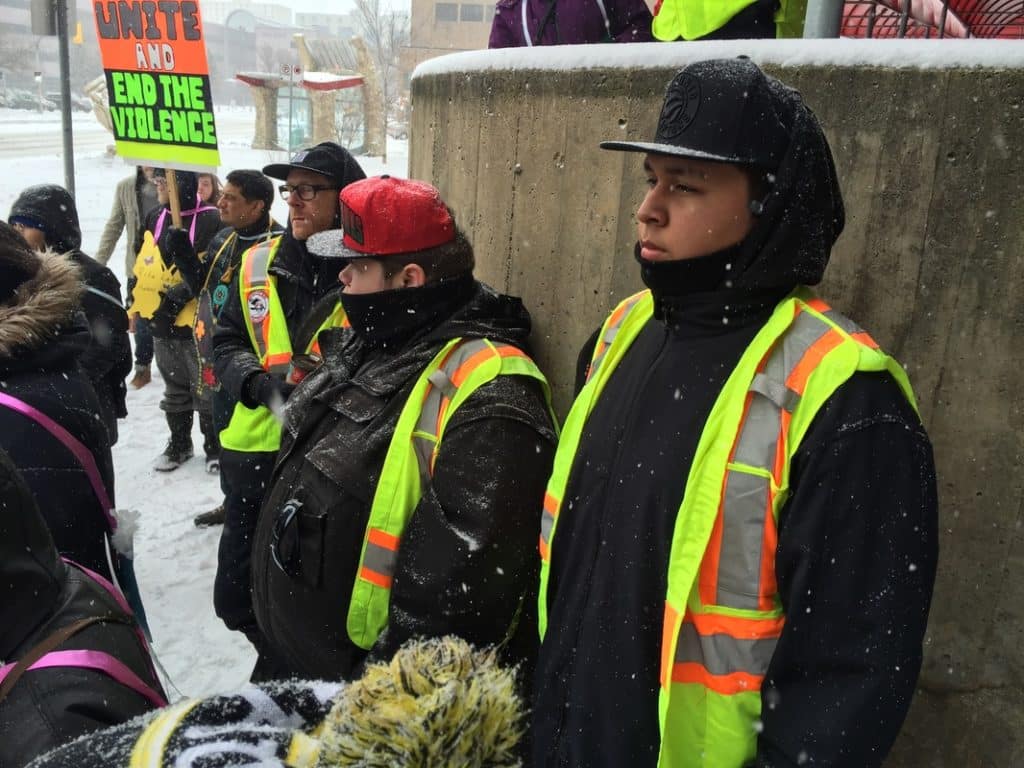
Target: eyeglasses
[304, 191]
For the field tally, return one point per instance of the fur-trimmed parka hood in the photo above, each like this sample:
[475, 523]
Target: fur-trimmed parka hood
[42, 307]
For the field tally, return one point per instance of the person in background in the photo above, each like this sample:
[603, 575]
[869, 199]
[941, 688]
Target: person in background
[134, 197]
[73, 657]
[209, 188]
[739, 540]
[46, 216]
[159, 294]
[244, 207]
[728, 19]
[523, 23]
[43, 336]
[280, 297]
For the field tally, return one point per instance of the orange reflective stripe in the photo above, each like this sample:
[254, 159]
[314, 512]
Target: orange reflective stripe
[769, 587]
[865, 338]
[613, 320]
[373, 577]
[737, 626]
[463, 371]
[383, 539]
[667, 626]
[797, 379]
[727, 685]
[281, 358]
[547, 522]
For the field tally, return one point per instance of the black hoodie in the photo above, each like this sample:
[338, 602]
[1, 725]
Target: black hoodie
[467, 563]
[862, 511]
[108, 358]
[39, 594]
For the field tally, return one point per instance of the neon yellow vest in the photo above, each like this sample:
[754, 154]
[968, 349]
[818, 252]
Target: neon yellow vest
[153, 277]
[691, 19]
[723, 614]
[257, 430]
[452, 376]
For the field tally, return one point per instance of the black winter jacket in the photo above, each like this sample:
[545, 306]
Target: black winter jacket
[302, 280]
[42, 338]
[39, 595]
[108, 359]
[467, 562]
[857, 539]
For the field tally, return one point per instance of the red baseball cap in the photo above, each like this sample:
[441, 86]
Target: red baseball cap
[384, 216]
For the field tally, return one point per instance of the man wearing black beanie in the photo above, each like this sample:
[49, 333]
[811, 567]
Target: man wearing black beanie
[47, 217]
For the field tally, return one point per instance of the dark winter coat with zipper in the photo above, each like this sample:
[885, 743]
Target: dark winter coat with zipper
[39, 595]
[42, 339]
[302, 280]
[857, 539]
[207, 224]
[467, 561]
[108, 359]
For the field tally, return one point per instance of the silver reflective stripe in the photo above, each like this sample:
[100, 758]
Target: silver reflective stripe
[260, 257]
[843, 322]
[609, 336]
[442, 388]
[747, 496]
[547, 522]
[724, 654]
[743, 517]
[380, 559]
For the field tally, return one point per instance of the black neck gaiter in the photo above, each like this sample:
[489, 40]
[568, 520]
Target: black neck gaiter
[388, 319]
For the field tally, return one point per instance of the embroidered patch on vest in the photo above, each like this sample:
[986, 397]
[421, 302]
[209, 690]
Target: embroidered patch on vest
[220, 295]
[259, 306]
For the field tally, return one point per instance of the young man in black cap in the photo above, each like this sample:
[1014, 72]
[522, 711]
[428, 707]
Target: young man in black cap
[404, 500]
[280, 297]
[739, 536]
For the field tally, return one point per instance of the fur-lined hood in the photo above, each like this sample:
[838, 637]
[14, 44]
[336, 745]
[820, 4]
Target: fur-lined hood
[41, 306]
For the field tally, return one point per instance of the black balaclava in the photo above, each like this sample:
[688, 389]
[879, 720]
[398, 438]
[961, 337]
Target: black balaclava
[50, 208]
[388, 319]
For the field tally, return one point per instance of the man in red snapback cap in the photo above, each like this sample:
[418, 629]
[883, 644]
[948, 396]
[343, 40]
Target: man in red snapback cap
[412, 462]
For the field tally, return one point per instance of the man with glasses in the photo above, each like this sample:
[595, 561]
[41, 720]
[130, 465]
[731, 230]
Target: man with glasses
[280, 298]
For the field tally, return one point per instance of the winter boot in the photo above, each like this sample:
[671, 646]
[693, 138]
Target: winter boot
[213, 517]
[179, 447]
[142, 376]
[211, 442]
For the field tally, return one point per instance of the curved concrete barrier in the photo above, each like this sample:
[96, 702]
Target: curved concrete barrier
[928, 138]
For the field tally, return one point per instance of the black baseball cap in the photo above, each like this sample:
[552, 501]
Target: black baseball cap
[723, 110]
[327, 158]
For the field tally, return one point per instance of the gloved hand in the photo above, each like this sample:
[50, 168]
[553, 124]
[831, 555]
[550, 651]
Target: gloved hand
[177, 248]
[163, 319]
[272, 391]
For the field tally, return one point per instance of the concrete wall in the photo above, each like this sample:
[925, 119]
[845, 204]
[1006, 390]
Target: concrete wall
[931, 262]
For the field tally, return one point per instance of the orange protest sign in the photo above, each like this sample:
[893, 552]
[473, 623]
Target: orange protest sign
[158, 82]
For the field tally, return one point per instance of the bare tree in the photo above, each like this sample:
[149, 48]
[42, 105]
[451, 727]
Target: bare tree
[385, 32]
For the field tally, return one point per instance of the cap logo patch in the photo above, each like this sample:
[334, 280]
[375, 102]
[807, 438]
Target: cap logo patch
[682, 102]
[352, 223]
[299, 156]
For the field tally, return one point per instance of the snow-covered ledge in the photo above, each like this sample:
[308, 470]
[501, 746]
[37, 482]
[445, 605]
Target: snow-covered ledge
[928, 138]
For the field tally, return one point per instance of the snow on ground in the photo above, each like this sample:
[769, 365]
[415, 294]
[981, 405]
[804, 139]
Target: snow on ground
[174, 560]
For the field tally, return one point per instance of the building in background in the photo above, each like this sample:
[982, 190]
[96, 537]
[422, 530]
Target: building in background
[437, 27]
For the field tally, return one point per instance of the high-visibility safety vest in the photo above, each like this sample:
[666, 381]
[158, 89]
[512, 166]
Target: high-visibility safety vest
[691, 19]
[257, 430]
[723, 615]
[153, 277]
[457, 371]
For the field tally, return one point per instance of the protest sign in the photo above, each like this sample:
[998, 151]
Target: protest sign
[158, 83]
